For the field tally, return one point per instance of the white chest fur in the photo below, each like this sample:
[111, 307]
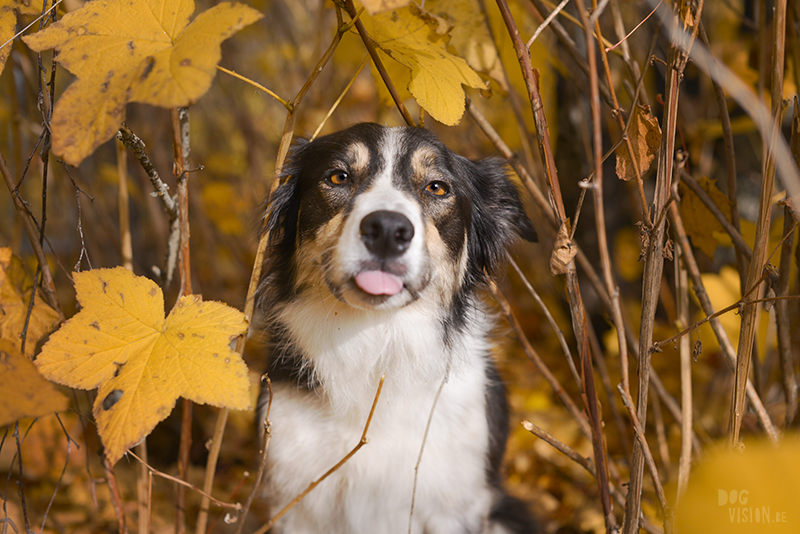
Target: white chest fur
[350, 350]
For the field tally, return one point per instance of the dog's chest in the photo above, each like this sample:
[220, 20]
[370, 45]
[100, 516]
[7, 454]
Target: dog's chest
[312, 431]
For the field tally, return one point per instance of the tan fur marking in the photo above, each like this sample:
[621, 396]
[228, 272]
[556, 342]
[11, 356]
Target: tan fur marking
[309, 256]
[447, 275]
[423, 163]
[358, 154]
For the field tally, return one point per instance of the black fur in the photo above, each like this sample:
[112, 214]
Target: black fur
[480, 211]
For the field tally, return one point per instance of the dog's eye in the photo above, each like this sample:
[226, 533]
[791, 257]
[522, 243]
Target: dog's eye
[437, 188]
[339, 177]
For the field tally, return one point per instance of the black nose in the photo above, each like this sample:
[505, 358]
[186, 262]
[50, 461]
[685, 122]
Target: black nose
[386, 233]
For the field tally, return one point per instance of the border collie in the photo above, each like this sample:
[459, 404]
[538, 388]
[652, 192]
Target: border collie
[379, 239]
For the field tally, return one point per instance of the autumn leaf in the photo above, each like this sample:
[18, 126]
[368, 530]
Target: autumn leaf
[376, 6]
[141, 362]
[418, 40]
[564, 249]
[16, 288]
[132, 51]
[24, 393]
[470, 36]
[645, 137]
[8, 23]
[702, 227]
[743, 492]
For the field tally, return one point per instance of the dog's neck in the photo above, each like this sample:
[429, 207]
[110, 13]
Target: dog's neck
[347, 350]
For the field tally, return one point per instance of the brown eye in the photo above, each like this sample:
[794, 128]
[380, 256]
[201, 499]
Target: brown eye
[339, 177]
[439, 189]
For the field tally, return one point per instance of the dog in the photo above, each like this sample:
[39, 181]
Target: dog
[379, 240]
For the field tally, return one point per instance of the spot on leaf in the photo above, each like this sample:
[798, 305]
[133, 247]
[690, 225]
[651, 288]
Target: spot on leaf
[165, 363]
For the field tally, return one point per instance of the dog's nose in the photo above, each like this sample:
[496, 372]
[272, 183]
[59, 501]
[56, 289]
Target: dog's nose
[386, 233]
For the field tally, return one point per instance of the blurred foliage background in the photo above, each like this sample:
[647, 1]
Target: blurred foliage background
[235, 133]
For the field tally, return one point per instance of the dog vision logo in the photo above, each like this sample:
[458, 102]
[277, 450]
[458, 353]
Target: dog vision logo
[741, 510]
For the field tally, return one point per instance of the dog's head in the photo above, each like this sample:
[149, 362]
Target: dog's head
[381, 217]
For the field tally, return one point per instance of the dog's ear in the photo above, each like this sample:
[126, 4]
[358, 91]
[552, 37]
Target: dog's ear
[282, 207]
[498, 216]
[281, 212]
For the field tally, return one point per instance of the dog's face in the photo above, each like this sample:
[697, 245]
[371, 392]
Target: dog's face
[382, 217]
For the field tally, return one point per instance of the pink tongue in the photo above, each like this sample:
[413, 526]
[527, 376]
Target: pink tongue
[379, 283]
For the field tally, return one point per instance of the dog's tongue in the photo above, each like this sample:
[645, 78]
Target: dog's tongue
[379, 283]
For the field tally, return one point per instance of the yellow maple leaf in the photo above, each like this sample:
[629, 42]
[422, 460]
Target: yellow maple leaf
[645, 137]
[470, 36]
[132, 51]
[24, 393]
[142, 362]
[702, 227]
[8, 23]
[418, 40]
[15, 297]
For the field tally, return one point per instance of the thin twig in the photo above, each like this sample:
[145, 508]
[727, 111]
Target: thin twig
[363, 441]
[654, 255]
[757, 262]
[233, 506]
[541, 366]
[21, 483]
[722, 336]
[184, 448]
[339, 100]
[586, 463]
[422, 446]
[651, 464]
[376, 60]
[553, 14]
[257, 85]
[616, 111]
[135, 144]
[782, 313]
[255, 276]
[48, 286]
[657, 346]
[730, 157]
[605, 261]
[738, 241]
[262, 464]
[537, 107]
[685, 459]
[116, 497]
[569, 45]
[624, 39]
[34, 21]
[560, 446]
[181, 149]
[143, 489]
[550, 319]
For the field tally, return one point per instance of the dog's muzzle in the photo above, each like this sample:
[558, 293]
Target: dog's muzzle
[386, 235]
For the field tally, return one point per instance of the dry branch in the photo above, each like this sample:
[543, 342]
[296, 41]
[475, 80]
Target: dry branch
[255, 275]
[363, 441]
[48, 286]
[654, 253]
[758, 261]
